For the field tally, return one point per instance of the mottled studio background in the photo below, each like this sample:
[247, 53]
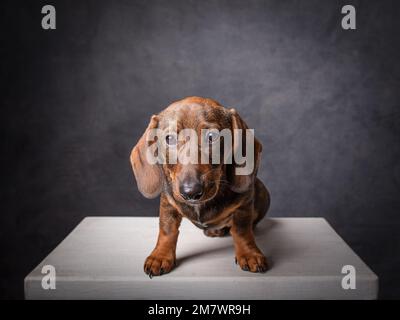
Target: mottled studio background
[324, 102]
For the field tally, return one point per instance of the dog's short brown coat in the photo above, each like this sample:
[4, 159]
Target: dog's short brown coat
[230, 203]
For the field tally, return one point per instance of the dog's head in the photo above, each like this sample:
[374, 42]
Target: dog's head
[192, 127]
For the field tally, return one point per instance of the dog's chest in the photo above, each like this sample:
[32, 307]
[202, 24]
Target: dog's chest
[209, 219]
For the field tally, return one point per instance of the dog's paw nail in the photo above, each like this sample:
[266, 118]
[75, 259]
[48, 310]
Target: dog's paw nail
[245, 267]
[262, 269]
[161, 271]
[235, 260]
[150, 275]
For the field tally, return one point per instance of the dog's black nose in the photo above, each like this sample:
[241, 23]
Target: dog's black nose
[191, 190]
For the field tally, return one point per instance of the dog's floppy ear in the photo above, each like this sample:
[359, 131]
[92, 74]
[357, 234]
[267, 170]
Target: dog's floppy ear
[241, 183]
[148, 176]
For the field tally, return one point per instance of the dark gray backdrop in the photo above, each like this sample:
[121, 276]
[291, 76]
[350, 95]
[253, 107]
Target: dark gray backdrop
[323, 101]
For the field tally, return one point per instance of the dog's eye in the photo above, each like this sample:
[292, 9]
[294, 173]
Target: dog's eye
[212, 136]
[170, 139]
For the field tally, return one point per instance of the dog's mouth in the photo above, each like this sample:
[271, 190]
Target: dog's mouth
[194, 202]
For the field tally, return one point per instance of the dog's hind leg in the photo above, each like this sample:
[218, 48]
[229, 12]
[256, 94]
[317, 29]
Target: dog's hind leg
[261, 201]
[217, 232]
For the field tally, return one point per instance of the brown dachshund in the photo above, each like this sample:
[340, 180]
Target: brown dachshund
[211, 196]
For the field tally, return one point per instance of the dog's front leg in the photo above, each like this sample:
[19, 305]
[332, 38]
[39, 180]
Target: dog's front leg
[248, 255]
[163, 257]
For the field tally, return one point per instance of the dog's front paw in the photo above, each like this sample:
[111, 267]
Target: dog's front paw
[252, 261]
[158, 264]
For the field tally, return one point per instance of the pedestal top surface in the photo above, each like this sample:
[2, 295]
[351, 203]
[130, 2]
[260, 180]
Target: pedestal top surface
[113, 249]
